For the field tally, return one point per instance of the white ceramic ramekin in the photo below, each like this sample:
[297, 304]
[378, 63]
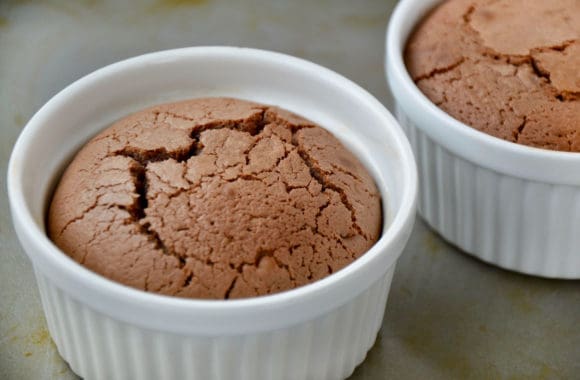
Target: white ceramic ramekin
[109, 331]
[511, 205]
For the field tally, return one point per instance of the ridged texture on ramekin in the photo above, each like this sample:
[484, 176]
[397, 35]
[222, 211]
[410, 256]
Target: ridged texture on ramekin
[525, 226]
[329, 347]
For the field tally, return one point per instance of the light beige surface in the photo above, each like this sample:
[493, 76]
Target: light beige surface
[448, 317]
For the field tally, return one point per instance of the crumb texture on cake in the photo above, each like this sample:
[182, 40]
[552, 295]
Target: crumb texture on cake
[215, 198]
[509, 68]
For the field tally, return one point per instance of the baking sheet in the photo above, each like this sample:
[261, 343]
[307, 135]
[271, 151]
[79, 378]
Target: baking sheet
[449, 316]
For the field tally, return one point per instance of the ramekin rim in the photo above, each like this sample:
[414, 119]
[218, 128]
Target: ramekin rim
[22, 214]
